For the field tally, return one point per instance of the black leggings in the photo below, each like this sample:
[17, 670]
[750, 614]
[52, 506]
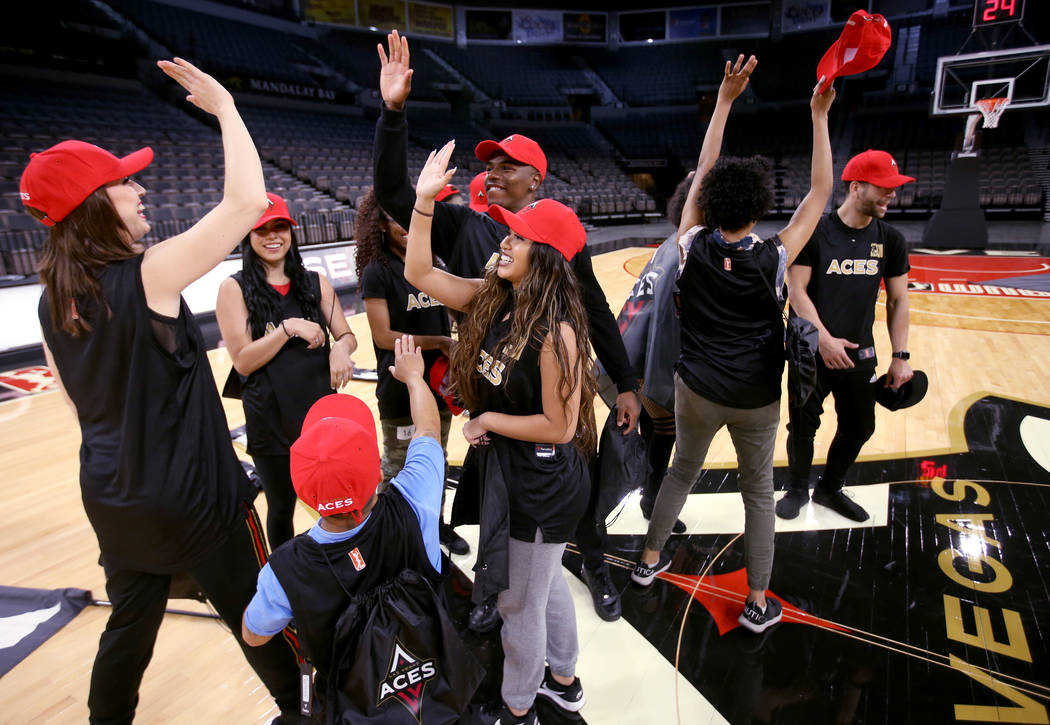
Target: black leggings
[276, 478]
[228, 577]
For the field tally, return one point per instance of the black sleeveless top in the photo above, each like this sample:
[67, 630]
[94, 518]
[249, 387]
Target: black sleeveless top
[160, 482]
[550, 483]
[277, 396]
[390, 541]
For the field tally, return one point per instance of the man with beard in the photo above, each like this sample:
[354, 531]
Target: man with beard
[834, 283]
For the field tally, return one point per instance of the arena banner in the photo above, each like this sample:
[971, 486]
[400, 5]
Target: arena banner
[29, 617]
[427, 19]
[338, 12]
[805, 14]
[584, 27]
[692, 23]
[537, 26]
[288, 90]
[488, 24]
[382, 14]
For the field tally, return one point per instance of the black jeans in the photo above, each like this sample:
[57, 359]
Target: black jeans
[228, 577]
[276, 479]
[855, 410]
[591, 536]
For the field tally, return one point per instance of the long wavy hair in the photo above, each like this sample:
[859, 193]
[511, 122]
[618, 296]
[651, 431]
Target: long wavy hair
[90, 237]
[263, 301]
[548, 294]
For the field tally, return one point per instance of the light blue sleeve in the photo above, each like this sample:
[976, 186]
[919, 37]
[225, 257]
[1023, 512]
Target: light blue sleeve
[269, 610]
[421, 482]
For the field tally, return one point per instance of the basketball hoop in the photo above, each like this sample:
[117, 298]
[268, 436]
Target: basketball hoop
[991, 109]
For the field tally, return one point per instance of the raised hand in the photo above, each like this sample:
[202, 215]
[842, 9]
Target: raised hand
[821, 102]
[395, 76]
[408, 359]
[435, 173]
[736, 77]
[205, 92]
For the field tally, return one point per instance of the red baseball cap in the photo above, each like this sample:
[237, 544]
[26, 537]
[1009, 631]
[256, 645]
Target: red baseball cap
[875, 167]
[445, 193]
[861, 45]
[278, 210]
[479, 202]
[520, 148]
[335, 462]
[439, 382]
[548, 222]
[56, 181]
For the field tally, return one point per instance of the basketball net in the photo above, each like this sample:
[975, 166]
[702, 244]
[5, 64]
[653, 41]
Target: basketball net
[991, 109]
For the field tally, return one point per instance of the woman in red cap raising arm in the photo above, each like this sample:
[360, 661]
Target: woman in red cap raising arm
[159, 479]
[275, 317]
[522, 366]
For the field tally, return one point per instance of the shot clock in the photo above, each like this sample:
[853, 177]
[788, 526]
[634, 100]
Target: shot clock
[992, 12]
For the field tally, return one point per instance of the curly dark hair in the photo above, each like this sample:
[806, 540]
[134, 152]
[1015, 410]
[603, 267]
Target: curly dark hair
[736, 192]
[676, 203]
[368, 233]
[548, 294]
[263, 301]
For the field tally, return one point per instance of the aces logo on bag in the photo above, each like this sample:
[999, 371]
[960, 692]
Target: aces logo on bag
[407, 678]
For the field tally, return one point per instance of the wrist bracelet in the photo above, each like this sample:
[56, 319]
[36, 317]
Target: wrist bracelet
[290, 335]
[421, 213]
[348, 332]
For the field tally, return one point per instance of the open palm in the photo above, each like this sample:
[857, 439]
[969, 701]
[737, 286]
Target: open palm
[435, 173]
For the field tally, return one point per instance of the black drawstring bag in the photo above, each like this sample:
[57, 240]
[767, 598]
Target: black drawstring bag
[397, 658]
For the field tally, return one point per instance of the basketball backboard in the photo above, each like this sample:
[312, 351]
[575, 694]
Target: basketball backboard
[1019, 74]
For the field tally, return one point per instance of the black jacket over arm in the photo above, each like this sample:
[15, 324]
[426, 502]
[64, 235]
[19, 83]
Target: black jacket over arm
[466, 241]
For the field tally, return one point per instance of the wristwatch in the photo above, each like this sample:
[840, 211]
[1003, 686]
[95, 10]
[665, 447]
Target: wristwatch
[902, 355]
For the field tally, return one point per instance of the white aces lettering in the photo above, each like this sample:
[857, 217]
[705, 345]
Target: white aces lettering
[332, 505]
[421, 300]
[491, 368]
[868, 267]
[404, 680]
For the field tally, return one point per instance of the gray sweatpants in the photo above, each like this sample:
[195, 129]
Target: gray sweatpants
[539, 620]
[754, 432]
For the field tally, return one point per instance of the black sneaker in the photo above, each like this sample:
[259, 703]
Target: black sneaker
[604, 594]
[758, 620]
[452, 541]
[567, 697]
[792, 502]
[647, 511]
[840, 503]
[484, 617]
[645, 573]
[506, 717]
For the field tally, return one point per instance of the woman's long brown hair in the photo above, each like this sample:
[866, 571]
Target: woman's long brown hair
[90, 237]
[548, 294]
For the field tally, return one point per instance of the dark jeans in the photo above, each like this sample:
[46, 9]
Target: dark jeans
[228, 577]
[855, 409]
[276, 479]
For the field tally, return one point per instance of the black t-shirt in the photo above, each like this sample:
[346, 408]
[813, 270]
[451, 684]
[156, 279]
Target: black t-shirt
[468, 241]
[411, 311]
[159, 479]
[389, 542]
[548, 485]
[732, 328]
[278, 395]
[848, 267]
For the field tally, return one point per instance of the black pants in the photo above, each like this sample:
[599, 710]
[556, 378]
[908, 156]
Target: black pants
[276, 479]
[591, 536]
[659, 438]
[855, 409]
[228, 577]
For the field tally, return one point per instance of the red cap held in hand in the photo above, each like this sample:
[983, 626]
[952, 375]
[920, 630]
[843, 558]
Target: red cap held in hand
[479, 201]
[863, 42]
[335, 462]
[56, 181]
